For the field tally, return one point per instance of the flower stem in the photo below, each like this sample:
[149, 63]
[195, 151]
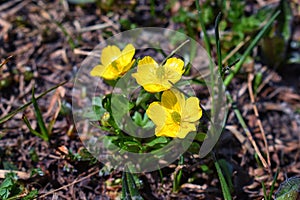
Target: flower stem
[174, 51]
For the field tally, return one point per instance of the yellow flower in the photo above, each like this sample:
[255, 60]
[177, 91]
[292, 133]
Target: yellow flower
[174, 116]
[114, 63]
[156, 78]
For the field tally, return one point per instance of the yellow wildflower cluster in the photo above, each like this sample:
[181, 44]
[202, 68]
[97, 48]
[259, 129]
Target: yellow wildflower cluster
[174, 116]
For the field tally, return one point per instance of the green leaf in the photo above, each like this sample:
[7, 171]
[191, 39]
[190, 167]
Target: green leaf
[289, 190]
[108, 142]
[97, 101]
[218, 44]
[8, 186]
[137, 117]
[33, 155]
[178, 175]
[285, 19]
[96, 112]
[158, 140]
[5, 187]
[120, 107]
[227, 171]
[225, 188]
[143, 122]
[32, 195]
[39, 116]
[205, 168]
[200, 137]
[132, 145]
[9, 166]
[194, 148]
[37, 171]
[269, 197]
[129, 187]
[249, 49]
[257, 81]
[34, 132]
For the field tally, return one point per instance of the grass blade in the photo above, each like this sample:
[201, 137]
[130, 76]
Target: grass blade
[34, 132]
[219, 54]
[39, 117]
[129, 187]
[13, 113]
[241, 120]
[178, 175]
[273, 184]
[125, 189]
[249, 49]
[264, 190]
[225, 188]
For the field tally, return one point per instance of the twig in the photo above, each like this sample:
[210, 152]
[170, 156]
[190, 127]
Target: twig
[247, 131]
[241, 138]
[20, 174]
[236, 49]
[250, 79]
[6, 59]
[8, 4]
[86, 53]
[94, 27]
[174, 51]
[70, 184]
[15, 9]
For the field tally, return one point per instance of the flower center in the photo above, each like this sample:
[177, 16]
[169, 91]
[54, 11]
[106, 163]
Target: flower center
[176, 117]
[114, 64]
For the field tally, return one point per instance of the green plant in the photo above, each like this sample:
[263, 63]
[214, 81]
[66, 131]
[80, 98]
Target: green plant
[289, 190]
[224, 184]
[44, 132]
[130, 188]
[11, 189]
[227, 185]
[177, 175]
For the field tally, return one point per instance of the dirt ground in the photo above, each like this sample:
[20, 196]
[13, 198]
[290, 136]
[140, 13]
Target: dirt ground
[48, 40]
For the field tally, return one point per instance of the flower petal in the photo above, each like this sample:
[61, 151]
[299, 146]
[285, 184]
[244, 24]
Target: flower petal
[110, 54]
[127, 67]
[173, 99]
[127, 55]
[145, 75]
[192, 111]
[171, 77]
[157, 114]
[110, 73]
[97, 70]
[168, 99]
[170, 130]
[185, 128]
[149, 61]
[153, 87]
[106, 72]
[175, 64]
